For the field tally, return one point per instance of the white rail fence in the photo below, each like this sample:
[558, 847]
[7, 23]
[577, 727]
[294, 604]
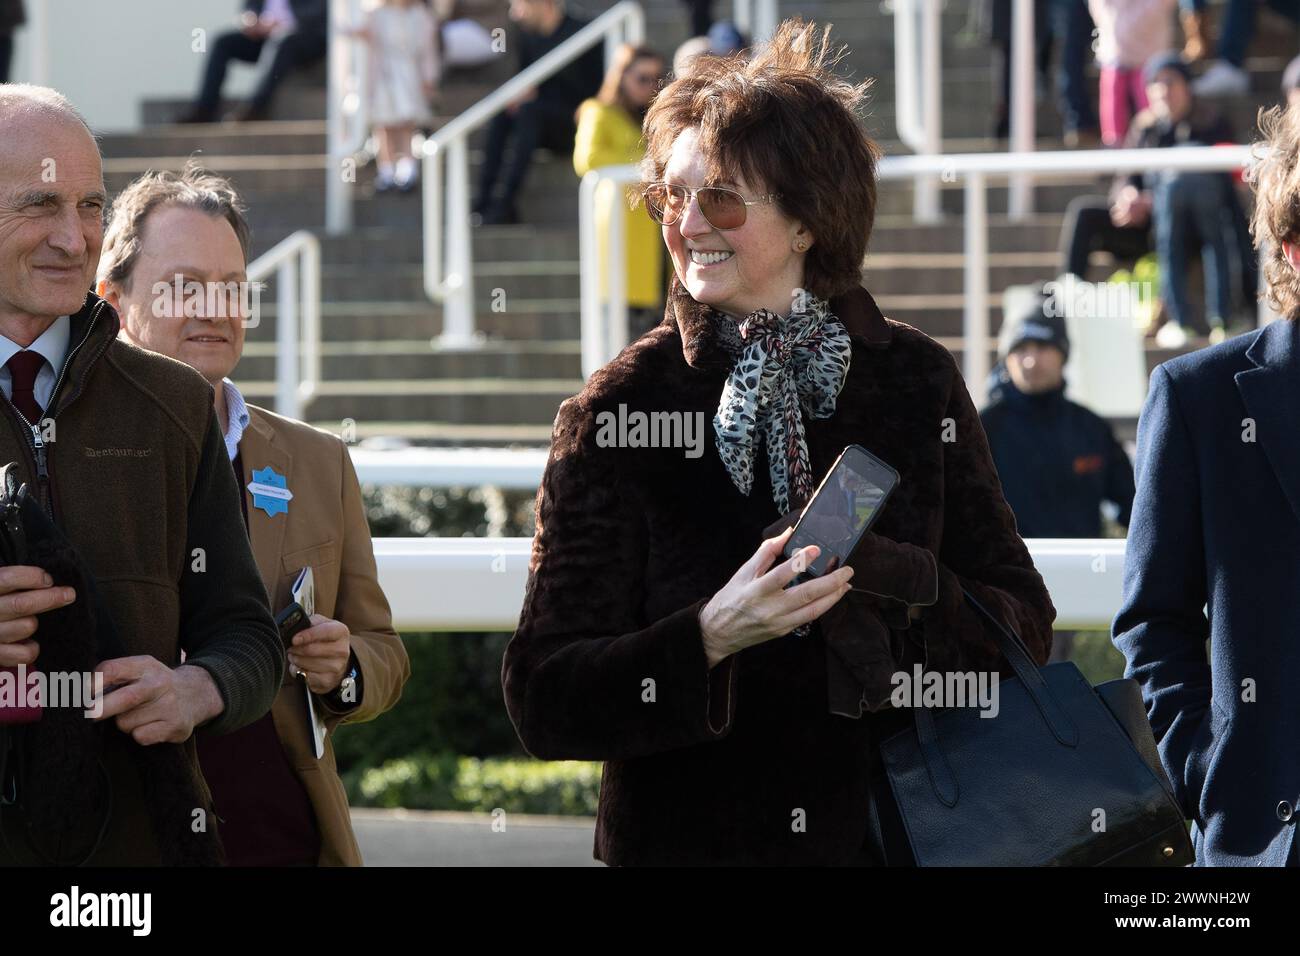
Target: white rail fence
[477, 584]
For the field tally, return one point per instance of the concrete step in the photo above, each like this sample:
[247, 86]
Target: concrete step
[406, 359]
[489, 401]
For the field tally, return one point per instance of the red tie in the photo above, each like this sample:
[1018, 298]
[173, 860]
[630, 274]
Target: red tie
[24, 367]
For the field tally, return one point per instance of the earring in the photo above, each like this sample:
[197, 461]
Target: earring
[800, 246]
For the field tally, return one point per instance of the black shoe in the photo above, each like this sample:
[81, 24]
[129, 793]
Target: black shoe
[250, 113]
[196, 115]
[501, 214]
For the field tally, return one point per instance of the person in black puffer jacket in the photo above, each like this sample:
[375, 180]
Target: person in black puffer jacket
[1057, 460]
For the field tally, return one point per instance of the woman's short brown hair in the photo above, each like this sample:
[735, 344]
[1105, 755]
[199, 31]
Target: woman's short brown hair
[1275, 176]
[193, 188]
[786, 123]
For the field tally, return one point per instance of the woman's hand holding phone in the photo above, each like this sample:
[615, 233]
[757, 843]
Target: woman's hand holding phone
[755, 606]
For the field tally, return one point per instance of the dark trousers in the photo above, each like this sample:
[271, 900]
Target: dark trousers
[1072, 24]
[536, 123]
[1237, 28]
[293, 52]
[1087, 227]
[701, 16]
[6, 55]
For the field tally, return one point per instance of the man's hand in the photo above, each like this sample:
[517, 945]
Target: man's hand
[1131, 208]
[321, 653]
[25, 591]
[157, 704]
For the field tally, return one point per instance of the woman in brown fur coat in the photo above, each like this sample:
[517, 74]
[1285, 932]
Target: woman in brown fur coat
[738, 720]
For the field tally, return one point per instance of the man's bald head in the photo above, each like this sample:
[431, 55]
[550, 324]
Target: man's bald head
[52, 202]
[19, 101]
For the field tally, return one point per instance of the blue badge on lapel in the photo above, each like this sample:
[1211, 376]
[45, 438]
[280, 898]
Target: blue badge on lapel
[270, 491]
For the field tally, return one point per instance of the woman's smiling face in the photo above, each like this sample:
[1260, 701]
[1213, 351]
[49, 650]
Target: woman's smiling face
[740, 270]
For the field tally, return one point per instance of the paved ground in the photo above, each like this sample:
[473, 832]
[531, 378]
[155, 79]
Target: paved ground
[421, 838]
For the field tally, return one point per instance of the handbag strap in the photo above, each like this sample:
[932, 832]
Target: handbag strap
[1017, 655]
[942, 779]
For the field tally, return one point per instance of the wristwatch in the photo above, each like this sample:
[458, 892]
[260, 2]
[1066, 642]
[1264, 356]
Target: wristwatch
[348, 694]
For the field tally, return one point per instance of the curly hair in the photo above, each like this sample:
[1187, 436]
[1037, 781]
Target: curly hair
[1275, 177]
[788, 125]
[193, 188]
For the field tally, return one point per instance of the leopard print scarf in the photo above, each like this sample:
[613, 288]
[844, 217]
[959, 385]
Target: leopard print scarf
[782, 365]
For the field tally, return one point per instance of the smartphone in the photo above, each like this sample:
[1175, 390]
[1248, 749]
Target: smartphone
[290, 621]
[842, 509]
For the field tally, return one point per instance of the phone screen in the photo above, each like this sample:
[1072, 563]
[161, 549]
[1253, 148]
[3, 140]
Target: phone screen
[843, 508]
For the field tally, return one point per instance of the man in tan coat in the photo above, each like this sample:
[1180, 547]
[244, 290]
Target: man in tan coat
[174, 267]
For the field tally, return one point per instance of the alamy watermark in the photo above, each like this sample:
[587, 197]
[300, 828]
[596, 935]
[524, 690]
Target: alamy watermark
[923, 688]
[638, 429]
[83, 691]
[214, 300]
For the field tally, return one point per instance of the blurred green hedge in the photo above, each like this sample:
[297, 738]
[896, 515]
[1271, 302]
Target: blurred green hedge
[452, 782]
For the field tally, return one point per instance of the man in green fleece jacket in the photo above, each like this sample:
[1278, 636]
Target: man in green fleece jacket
[123, 450]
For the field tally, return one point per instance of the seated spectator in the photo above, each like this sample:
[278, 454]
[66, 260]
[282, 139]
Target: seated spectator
[296, 31]
[281, 803]
[1129, 33]
[1058, 462]
[541, 116]
[1226, 76]
[609, 134]
[1184, 209]
[404, 71]
[12, 16]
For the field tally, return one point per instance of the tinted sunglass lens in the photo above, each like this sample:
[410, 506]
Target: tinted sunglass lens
[723, 209]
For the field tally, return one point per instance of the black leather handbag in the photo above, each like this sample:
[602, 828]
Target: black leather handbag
[1064, 775]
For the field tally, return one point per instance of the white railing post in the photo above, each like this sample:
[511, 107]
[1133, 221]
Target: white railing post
[311, 324]
[296, 262]
[286, 339]
[458, 304]
[590, 306]
[918, 92]
[616, 272]
[742, 15]
[1020, 196]
[926, 205]
[975, 319]
[38, 42]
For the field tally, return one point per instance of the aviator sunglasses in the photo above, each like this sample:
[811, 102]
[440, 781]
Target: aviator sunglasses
[723, 208]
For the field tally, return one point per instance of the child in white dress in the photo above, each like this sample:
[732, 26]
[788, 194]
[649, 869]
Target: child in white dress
[403, 78]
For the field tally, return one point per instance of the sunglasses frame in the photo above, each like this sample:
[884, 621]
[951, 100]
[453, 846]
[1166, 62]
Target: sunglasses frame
[691, 195]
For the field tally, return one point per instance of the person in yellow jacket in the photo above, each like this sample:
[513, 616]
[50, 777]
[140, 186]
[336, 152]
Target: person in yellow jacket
[609, 134]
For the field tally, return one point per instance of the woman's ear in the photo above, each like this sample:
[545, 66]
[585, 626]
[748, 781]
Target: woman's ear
[803, 239]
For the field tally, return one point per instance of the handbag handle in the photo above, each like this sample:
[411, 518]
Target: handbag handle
[942, 778]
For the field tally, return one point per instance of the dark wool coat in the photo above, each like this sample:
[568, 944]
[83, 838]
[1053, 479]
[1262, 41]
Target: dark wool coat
[745, 763]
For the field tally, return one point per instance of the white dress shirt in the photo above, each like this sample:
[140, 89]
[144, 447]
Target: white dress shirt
[236, 416]
[52, 346]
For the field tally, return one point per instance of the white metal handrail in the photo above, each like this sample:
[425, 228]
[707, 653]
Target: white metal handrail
[346, 118]
[755, 19]
[1020, 197]
[918, 100]
[295, 261]
[452, 282]
[477, 584]
[604, 323]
